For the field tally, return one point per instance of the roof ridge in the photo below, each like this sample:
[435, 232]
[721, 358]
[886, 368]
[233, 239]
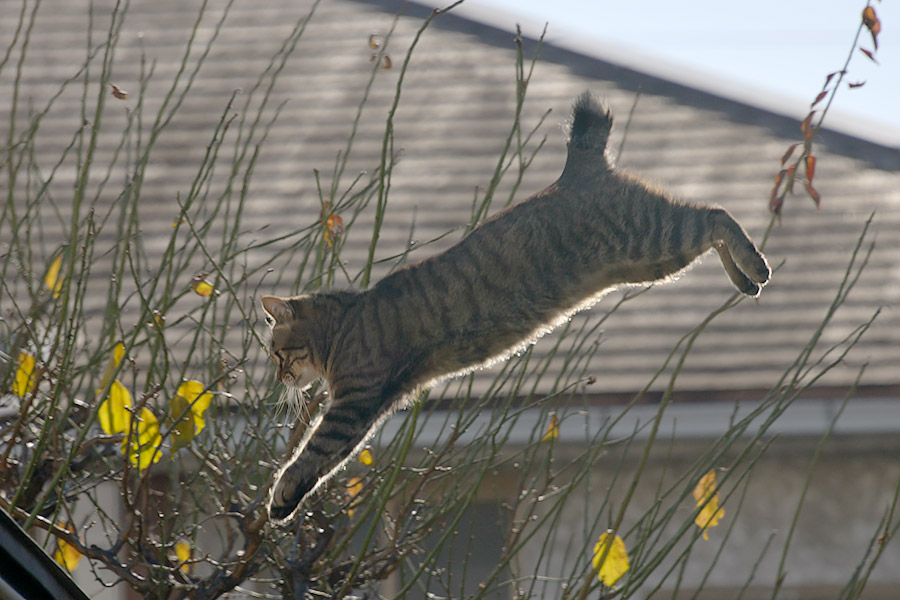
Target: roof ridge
[636, 77]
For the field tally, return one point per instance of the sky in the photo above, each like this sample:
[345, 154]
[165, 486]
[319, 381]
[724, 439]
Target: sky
[770, 53]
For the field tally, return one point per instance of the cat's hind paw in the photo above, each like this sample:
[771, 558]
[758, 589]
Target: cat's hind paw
[751, 281]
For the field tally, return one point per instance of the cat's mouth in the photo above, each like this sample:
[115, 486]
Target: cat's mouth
[302, 379]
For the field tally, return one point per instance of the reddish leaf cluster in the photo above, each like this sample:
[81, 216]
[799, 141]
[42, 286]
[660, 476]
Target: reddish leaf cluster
[786, 177]
[870, 20]
[784, 180]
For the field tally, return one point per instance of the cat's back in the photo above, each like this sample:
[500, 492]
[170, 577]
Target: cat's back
[522, 270]
[515, 274]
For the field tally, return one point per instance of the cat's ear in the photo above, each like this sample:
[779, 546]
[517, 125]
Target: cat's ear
[277, 308]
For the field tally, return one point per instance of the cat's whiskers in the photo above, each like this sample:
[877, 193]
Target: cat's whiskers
[292, 404]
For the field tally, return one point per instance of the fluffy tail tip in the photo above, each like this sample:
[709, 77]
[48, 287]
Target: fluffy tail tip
[591, 124]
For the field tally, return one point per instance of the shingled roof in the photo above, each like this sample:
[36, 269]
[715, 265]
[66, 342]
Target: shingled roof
[455, 112]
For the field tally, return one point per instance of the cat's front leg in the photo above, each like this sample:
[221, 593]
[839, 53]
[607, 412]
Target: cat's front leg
[332, 440]
[295, 481]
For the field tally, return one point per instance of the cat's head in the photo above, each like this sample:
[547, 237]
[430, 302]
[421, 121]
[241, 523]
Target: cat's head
[293, 346]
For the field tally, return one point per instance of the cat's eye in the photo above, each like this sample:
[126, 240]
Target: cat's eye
[299, 352]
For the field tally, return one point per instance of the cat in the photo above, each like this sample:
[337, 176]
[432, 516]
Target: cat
[510, 280]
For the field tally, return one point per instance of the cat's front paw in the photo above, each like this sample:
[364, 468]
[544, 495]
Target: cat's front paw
[290, 489]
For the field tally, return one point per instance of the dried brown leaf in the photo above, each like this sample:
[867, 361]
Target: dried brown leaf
[385, 60]
[810, 167]
[779, 177]
[776, 203]
[856, 85]
[806, 126]
[870, 20]
[819, 98]
[789, 174]
[787, 154]
[776, 198]
[870, 54]
[813, 193]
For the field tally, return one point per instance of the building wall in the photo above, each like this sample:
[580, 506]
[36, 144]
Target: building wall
[850, 491]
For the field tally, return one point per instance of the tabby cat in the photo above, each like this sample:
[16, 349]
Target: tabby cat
[512, 279]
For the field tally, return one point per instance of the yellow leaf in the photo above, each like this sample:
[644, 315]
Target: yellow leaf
[552, 429]
[198, 398]
[202, 288]
[143, 442]
[365, 457]
[354, 487]
[610, 562]
[65, 554]
[705, 488]
[114, 412]
[114, 361]
[158, 318]
[183, 555]
[334, 226]
[184, 428]
[26, 378]
[52, 279]
[707, 499]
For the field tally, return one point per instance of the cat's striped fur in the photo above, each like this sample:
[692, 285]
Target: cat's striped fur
[510, 280]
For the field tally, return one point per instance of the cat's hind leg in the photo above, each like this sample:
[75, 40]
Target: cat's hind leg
[738, 278]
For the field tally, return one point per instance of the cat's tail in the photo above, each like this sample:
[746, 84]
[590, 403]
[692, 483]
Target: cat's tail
[591, 124]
